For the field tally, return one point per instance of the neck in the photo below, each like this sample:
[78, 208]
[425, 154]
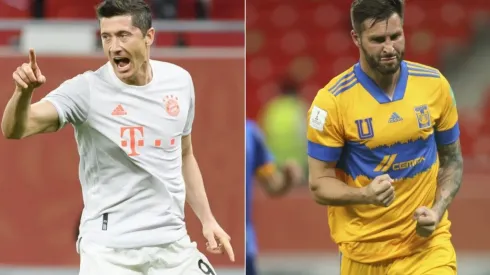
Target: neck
[386, 82]
[143, 75]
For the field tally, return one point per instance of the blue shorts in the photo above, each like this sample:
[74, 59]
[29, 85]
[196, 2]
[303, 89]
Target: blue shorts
[250, 266]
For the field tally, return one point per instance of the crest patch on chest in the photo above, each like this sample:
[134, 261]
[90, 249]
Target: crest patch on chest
[171, 104]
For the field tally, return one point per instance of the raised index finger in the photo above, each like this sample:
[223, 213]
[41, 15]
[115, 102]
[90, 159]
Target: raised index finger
[32, 57]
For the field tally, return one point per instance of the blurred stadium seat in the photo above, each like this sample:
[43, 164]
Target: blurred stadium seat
[41, 174]
[309, 42]
[69, 10]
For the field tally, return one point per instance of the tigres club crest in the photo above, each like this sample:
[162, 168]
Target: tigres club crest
[171, 104]
[423, 116]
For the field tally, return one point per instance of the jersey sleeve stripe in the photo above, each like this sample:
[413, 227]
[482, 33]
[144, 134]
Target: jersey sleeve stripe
[419, 69]
[448, 136]
[417, 65]
[324, 153]
[424, 74]
[343, 80]
[343, 89]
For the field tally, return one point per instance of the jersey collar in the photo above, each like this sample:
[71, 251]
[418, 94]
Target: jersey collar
[375, 91]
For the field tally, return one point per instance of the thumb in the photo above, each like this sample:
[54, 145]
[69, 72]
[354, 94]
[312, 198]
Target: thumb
[421, 211]
[41, 78]
[385, 177]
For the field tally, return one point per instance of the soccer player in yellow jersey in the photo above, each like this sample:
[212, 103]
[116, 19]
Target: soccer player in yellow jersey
[384, 153]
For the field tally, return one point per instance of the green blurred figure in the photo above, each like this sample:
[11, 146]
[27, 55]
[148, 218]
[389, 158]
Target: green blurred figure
[285, 116]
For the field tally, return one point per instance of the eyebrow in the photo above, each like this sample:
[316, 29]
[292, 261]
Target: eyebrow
[385, 35]
[117, 33]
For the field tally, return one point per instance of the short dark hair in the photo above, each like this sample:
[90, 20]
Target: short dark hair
[138, 9]
[376, 10]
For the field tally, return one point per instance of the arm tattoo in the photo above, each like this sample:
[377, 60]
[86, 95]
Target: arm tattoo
[449, 177]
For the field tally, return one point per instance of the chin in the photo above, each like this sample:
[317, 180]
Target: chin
[388, 70]
[125, 74]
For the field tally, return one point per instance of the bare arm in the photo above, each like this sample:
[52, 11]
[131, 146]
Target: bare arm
[450, 176]
[195, 191]
[328, 190]
[21, 119]
[279, 182]
[274, 183]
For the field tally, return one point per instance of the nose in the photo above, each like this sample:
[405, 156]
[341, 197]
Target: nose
[115, 46]
[388, 46]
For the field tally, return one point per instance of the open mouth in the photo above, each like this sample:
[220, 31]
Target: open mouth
[122, 63]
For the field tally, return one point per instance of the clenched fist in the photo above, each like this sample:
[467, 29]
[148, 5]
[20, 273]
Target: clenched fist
[380, 191]
[427, 221]
[28, 76]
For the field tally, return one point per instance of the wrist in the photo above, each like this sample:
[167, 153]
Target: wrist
[364, 195]
[439, 212]
[21, 92]
[207, 219]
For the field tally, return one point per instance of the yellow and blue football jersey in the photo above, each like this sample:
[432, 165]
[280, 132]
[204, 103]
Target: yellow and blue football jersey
[354, 123]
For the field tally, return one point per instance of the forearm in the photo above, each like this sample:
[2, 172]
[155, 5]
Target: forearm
[195, 192]
[274, 181]
[278, 185]
[331, 191]
[15, 116]
[449, 178]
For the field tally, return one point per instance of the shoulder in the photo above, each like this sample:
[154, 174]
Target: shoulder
[168, 69]
[79, 82]
[427, 76]
[341, 84]
[102, 73]
[419, 70]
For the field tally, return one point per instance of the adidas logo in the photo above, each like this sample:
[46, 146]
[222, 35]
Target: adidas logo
[395, 118]
[119, 111]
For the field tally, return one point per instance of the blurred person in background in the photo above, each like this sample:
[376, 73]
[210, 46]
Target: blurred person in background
[285, 116]
[165, 9]
[260, 167]
[134, 190]
[168, 9]
[384, 153]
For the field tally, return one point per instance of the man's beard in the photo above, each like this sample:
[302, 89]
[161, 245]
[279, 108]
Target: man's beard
[375, 64]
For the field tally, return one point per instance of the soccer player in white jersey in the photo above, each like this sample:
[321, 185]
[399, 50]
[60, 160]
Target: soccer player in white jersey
[132, 119]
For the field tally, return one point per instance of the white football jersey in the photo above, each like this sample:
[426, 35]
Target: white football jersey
[129, 141]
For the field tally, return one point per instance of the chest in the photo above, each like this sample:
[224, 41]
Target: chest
[390, 123]
[139, 120]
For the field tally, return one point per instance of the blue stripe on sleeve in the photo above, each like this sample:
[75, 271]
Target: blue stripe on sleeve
[324, 153]
[448, 136]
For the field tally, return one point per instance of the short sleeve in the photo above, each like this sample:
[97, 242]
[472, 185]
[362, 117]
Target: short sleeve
[325, 128]
[71, 100]
[447, 126]
[191, 111]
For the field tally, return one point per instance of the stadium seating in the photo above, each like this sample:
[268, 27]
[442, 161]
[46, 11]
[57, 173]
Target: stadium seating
[310, 42]
[62, 9]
